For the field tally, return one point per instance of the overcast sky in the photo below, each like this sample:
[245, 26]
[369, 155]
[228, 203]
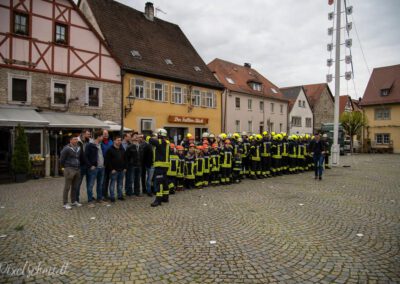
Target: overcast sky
[285, 40]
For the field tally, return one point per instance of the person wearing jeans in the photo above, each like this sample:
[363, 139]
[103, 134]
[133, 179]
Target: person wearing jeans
[95, 162]
[133, 158]
[318, 148]
[147, 166]
[69, 160]
[115, 163]
[83, 140]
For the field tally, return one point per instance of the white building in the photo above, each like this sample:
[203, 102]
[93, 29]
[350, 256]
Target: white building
[250, 102]
[300, 112]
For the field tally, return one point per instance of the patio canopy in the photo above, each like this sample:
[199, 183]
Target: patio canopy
[64, 120]
[26, 117]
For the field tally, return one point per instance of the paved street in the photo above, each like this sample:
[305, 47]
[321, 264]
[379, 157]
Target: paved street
[289, 229]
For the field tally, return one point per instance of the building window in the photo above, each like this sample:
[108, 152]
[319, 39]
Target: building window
[382, 114]
[271, 125]
[272, 107]
[304, 104]
[93, 96]
[261, 106]
[196, 98]
[158, 92]
[177, 95]
[249, 104]
[61, 33]
[139, 88]
[237, 125]
[281, 108]
[230, 80]
[237, 103]
[308, 122]
[256, 86]
[296, 121]
[19, 88]
[280, 127]
[59, 92]
[198, 133]
[250, 126]
[382, 138]
[209, 99]
[385, 92]
[146, 126]
[21, 24]
[299, 103]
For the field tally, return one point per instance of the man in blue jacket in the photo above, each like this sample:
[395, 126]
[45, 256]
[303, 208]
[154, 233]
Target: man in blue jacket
[319, 149]
[95, 163]
[106, 144]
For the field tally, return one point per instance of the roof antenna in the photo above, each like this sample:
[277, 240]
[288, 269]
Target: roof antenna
[159, 10]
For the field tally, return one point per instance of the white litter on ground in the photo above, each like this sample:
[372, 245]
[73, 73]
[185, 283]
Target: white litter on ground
[92, 218]
[360, 235]
[213, 242]
[71, 236]
[301, 204]
[3, 236]
[2, 207]
[205, 204]
[108, 205]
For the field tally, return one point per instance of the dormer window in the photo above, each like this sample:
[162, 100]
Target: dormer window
[136, 54]
[230, 80]
[168, 61]
[255, 86]
[274, 91]
[385, 92]
[197, 68]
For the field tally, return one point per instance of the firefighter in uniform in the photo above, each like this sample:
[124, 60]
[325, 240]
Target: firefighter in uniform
[199, 167]
[206, 156]
[276, 154]
[190, 167]
[285, 157]
[245, 154]
[214, 165]
[265, 155]
[181, 166]
[161, 165]
[255, 156]
[226, 162]
[172, 169]
[292, 154]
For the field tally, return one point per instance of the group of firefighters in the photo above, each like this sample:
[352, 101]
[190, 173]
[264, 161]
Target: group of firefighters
[226, 159]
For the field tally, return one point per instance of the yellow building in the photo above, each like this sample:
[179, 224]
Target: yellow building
[381, 107]
[165, 81]
[180, 108]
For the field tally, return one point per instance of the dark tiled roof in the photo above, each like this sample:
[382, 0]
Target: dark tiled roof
[314, 92]
[126, 29]
[241, 77]
[343, 101]
[291, 93]
[383, 78]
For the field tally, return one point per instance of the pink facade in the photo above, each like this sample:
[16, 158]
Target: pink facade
[83, 55]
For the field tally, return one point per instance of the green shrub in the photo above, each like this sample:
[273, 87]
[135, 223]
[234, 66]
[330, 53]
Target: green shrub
[20, 159]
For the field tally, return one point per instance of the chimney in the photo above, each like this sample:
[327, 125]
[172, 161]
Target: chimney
[149, 11]
[248, 65]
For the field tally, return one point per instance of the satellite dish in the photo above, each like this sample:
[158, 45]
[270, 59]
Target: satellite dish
[329, 78]
[329, 62]
[349, 10]
[349, 26]
[330, 31]
[348, 43]
[348, 59]
[330, 16]
[347, 75]
[330, 46]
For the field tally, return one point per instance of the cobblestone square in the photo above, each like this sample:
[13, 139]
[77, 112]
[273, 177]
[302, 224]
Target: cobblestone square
[291, 229]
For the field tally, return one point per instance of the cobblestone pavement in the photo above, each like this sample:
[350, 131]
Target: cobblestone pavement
[289, 229]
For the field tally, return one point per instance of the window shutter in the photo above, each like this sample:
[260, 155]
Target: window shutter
[152, 90]
[166, 93]
[147, 90]
[203, 99]
[172, 94]
[132, 86]
[214, 102]
[184, 96]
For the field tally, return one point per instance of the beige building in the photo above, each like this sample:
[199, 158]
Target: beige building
[381, 107]
[250, 102]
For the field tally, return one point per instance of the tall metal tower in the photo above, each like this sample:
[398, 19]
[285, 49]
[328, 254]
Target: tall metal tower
[348, 60]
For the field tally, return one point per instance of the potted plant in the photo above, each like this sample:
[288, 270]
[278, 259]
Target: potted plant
[20, 158]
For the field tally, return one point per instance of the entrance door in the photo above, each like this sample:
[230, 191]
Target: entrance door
[199, 132]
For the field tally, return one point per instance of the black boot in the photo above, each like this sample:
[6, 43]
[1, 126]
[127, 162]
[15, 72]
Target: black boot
[165, 198]
[156, 202]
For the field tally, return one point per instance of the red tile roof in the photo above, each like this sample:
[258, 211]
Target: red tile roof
[314, 92]
[343, 102]
[126, 29]
[383, 78]
[241, 77]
